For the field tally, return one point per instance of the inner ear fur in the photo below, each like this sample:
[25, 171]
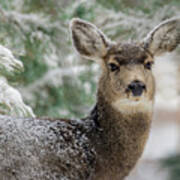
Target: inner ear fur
[163, 38]
[88, 40]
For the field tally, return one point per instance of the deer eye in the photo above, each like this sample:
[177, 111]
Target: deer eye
[113, 67]
[148, 65]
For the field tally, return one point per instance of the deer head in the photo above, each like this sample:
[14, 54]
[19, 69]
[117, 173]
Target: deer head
[127, 77]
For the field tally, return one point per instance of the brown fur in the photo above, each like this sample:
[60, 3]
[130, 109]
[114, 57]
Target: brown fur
[131, 59]
[123, 119]
[124, 135]
[121, 141]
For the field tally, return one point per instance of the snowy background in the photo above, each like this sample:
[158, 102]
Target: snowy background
[41, 75]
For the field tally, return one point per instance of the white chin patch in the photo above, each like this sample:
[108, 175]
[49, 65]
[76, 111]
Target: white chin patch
[133, 106]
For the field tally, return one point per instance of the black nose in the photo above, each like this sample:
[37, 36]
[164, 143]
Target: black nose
[137, 88]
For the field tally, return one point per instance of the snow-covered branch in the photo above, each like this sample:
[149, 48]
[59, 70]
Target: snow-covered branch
[11, 101]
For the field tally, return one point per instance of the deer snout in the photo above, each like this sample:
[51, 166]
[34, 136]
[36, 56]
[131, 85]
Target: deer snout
[136, 87]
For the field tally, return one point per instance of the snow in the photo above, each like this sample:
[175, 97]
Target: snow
[11, 101]
[8, 63]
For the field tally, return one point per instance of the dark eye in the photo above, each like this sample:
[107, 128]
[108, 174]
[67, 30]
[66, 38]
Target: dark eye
[148, 65]
[113, 67]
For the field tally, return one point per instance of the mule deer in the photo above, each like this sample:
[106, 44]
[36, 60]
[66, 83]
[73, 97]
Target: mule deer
[108, 143]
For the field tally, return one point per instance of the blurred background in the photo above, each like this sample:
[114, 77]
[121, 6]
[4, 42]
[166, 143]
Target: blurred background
[56, 82]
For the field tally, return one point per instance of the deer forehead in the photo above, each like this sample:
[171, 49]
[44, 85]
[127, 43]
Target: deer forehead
[127, 54]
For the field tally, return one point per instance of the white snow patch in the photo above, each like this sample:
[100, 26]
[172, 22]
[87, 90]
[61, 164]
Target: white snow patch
[8, 63]
[11, 101]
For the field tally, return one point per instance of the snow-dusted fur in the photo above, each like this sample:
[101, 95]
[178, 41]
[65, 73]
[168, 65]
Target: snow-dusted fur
[44, 150]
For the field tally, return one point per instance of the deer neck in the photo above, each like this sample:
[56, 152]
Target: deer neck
[121, 137]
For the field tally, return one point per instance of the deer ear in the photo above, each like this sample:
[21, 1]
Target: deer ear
[88, 40]
[163, 38]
